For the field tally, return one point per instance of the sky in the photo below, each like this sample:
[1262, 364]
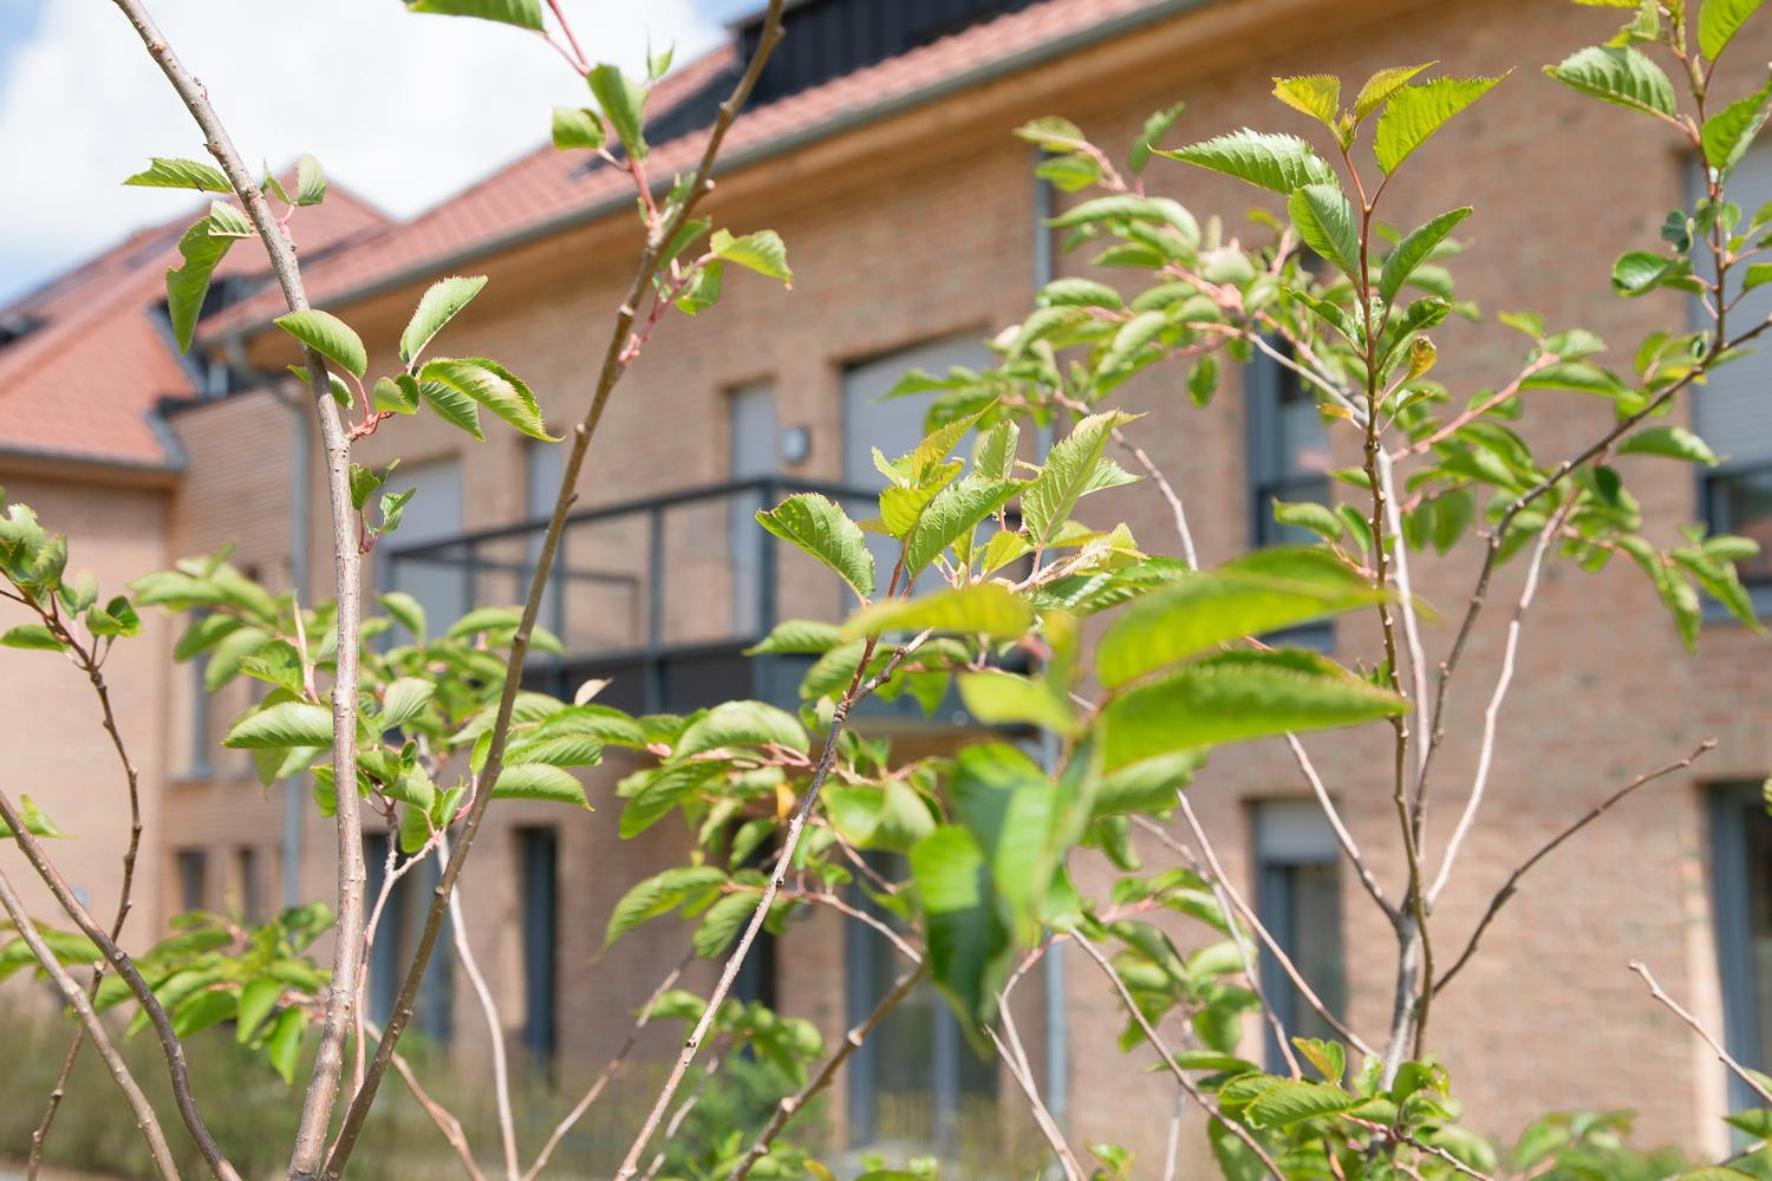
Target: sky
[404, 110]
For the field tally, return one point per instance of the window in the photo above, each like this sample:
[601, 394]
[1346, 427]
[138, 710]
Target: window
[753, 428]
[544, 465]
[1732, 413]
[442, 585]
[895, 425]
[251, 890]
[1298, 896]
[1288, 450]
[193, 879]
[1741, 901]
[916, 1081]
[197, 758]
[539, 859]
[397, 938]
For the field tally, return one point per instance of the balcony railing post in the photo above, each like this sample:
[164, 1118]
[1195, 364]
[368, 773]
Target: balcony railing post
[655, 601]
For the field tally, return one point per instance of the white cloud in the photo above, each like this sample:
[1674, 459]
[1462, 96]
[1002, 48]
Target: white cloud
[403, 109]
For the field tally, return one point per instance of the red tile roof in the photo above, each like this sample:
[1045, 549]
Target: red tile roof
[548, 189]
[84, 383]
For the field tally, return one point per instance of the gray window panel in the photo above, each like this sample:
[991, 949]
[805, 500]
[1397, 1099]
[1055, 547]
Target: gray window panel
[540, 853]
[434, 514]
[895, 425]
[193, 879]
[1298, 897]
[1741, 903]
[753, 429]
[1733, 409]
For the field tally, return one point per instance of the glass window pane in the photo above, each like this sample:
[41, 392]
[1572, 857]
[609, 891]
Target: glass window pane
[1741, 502]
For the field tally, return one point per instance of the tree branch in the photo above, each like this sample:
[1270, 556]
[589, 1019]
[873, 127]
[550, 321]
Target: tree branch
[1741, 1072]
[329, 1062]
[1510, 887]
[615, 363]
[145, 1119]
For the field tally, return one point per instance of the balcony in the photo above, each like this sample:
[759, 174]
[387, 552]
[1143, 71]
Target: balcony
[661, 595]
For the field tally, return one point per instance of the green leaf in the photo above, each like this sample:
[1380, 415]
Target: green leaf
[1047, 500]
[397, 394]
[1619, 74]
[817, 525]
[577, 127]
[491, 385]
[1415, 112]
[985, 608]
[37, 822]
[741, 723]
[797, 637]
[1330, 1058]
[1758, 275]
[1382, 85]
[658, 895]
[1325, 221]
[1266, 591]
[404, 699]
[891, 817]
[1079, 292]
[540, 781]
[1234, 697]
[1729, 133]
[257, 1000]
[763, 252]
[1003, 699]
[310, 181]
[1414, 250]
[967, 943]
[227, 221]
[328, 335]
[623, 102]
[1155, 128]
[525, 14]
[1316, 95]
[1278, 162]
[165, 172]
[452, 406]
[407, 611]
[1006, 802]
[1292, 1101]
[658, 792]
[1719, 21]
[439, 304]
[283, 1046]
[288, 723]
[31, 636]
[722, 922]
[1670, 442]
[188, 285]
[952, 516]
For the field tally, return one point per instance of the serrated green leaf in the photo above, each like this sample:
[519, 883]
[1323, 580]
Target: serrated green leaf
[489, 384]
[1414, 250]
[328, 335]
[288, 723]
[1047, 500]
[577, 127]
[1619, 74]
[1670, 442]
[658, 895]
[741, 723]
[1414, 113]
[1292, 1101]
[525, 14]
[188, 285]
[540, 781]
[1325, 222]
[1278, 162]
[623, 103]
[165, 172]
[820, 527]
[967, 945]
[403, 700]
[797, 637]
[31, 636]
[951, 516]
[439, 304]
[1727, 135]
[310, 181]
[763, 252]
[982, 609]
[1234, 697]
[452, 406]
[1316, 95]
[1382, 85]
[37, 823]
[1719, 21]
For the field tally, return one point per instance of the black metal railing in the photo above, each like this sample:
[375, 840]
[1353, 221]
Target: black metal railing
[661, 594]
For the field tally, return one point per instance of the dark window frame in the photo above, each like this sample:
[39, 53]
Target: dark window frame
[1276, 889]
[1730, 806]
[539, 866]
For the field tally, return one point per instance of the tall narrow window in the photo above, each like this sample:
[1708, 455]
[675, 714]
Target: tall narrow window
[753, 430]
[1730, 410]
[895, 425]
[198, 759]
[1288, 450]
[251, 891]
[544, 464]
[444, 583]
[1298, 895]
[539, 855]
[916, 1082]
[397, 938]
[193, 879]
[1741, 898]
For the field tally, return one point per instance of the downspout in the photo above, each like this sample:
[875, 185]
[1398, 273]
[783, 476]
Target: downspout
[1058, 1050]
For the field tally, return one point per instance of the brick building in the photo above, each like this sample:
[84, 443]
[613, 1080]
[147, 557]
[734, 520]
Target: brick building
[882, 153]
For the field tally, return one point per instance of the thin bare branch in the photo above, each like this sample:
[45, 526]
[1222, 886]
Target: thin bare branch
[1741, 1072]
[1156, 1042]
[1015, 1060]
[1177, 511]
[495, 1030]
[125, 968]
[1342, 835]
[439, 1115]
[145, 1119]
[1510, 887]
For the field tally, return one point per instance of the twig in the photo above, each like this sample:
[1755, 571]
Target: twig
[145, 1119]
[1342, 835]
[1741, 1072]
[1393, 523]
[614, 365]
[440, 1115]
[1156, 1042]
[1243, 908]
[501, 1073]
[609, 1068]
[1510, 887]
[1172, 1150]
[683, 1109]
[125, 968]
[1397, 1136]
[1016, 1061]
[329, 1062]
[786, 1109]
[1177, 512]
[1492, 715]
